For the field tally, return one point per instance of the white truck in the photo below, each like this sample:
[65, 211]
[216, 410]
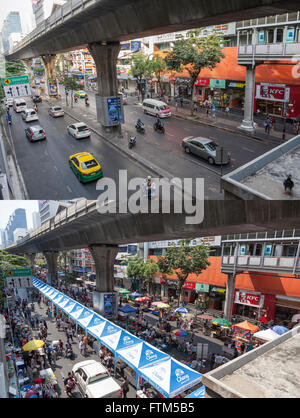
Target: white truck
[94, 381]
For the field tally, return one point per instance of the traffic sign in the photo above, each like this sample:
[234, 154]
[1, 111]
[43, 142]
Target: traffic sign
[18, 278]
[16, 86]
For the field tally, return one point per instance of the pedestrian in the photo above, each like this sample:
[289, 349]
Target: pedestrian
[267, 125]
[53, 357]
[195, 107]
[82, 347]
[84, 339]
[212, 361]
[227, 110]
[243, 346]
[288, 185]
[125, 387]
[181, 101]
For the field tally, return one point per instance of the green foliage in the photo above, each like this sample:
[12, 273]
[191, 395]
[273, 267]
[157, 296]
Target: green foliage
[184, 260]
[70, 83]
[158, 66]
[140, 66]
[14, 68]
[8, 261]
[135, 267]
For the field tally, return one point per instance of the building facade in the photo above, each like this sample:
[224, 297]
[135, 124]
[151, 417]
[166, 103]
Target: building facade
[12, 24]
[16, 220]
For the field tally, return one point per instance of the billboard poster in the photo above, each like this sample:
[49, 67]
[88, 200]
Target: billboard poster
[52, 87]
[274, 92]
[248, 298]
[110, 303]
[115, 110]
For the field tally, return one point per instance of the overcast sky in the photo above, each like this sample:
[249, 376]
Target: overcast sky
[22, 6]
[7, 207]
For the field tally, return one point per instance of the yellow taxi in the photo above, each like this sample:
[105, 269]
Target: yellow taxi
[80, 93]
[85, 167]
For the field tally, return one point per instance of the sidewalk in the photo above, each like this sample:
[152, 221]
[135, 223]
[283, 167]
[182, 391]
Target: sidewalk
[224, 122]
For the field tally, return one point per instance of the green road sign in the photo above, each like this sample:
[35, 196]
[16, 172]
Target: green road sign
[18, 273]
[13, 81]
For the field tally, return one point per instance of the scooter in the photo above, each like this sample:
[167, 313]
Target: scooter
[140, 128]
[160, 129]
[131, 142]
[87, 104]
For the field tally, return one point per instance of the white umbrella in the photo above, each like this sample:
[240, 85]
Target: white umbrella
[296, 318]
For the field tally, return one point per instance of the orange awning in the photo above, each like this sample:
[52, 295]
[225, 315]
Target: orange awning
[247, 326]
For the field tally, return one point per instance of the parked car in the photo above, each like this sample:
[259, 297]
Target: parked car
[94, 381]
[35, 133]
[207, 149]
[29, 115]
[79, 130]
[85, 167]
[56, 111]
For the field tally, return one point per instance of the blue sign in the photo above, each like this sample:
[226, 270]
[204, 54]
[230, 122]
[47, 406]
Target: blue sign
[135, 46]
[110, 304]
[114, 107]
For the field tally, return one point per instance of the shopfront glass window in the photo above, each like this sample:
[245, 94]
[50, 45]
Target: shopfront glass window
[258, 249]
[270, 36]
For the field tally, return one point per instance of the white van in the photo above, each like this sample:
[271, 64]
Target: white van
[19, 105]
[156, 108]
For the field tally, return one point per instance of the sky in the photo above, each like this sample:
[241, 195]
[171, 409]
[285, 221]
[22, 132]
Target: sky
[7, 207]
[22, 6]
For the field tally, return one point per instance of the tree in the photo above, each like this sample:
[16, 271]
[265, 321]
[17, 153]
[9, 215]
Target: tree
[183, 261]
[149, 270]
[140, 68]
[195, 54]
[135, 269]
[158, 66]
[14, 68]
[70, 84]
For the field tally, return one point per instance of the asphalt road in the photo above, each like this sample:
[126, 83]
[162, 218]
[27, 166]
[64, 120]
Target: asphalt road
[47, 175]
[44, 164]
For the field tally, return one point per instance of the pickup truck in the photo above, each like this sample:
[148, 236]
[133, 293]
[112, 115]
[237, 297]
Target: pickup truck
[94, 381]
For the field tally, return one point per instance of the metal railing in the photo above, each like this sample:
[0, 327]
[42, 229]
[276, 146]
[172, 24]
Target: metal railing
[289, 264]
[263, 236]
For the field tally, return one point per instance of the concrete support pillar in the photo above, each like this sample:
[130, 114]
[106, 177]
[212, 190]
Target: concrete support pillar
[230, 290]
[104, 257]
[52, 88]
[28, 66]
[248, 123]
[105, 56]
[31, 257]
[51, 258]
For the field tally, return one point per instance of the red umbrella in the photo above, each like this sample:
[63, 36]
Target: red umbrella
[143, 299]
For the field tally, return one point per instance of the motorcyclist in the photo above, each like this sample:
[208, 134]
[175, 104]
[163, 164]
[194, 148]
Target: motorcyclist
[132, 140]
[8, 118]
[139, 123]
[158, 123]
[35, 107]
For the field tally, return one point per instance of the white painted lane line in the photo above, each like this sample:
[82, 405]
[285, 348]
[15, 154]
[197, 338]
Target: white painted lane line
[46, 153]
[247, 149]
[69, 189]
[55, 168]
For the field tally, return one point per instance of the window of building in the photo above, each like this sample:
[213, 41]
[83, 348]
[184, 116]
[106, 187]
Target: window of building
[279, 36]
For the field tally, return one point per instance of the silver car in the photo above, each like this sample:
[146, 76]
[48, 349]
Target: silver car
[207, 149]
[56, 111]
[79, 130]
[35, 133]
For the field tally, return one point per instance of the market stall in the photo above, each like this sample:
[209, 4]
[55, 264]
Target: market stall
[265, 335]
[243, 333]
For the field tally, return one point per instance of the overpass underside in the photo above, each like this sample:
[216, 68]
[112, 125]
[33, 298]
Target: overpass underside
[90, 21]
[84, 227]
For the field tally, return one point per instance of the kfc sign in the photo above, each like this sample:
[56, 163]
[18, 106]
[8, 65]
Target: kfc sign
[274, 92]
[251, 299]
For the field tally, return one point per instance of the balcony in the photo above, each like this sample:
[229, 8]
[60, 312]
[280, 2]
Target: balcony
[247, 54]
[290, 265]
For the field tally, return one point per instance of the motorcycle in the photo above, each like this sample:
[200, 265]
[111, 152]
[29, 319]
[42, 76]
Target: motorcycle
[69, 353]
[159, 128]
[140, 128]
[69, 388]
[131, 142]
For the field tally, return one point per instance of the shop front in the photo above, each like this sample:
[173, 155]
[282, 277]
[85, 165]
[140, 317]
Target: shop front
[183, 88]
[272, 99]
[235, 94]
[286, 307]
[218, 92]
[188, 292]
[200, 88]
[171, 288]
[254, 305]
[202, 292]
[217, 296]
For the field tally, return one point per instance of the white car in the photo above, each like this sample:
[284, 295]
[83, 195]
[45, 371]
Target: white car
[29, 115]
[94, 381]
[9, 102]
[79, 130]
[56, 111]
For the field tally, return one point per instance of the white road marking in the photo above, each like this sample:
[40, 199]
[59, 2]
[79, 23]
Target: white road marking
[69, 189]
[55, 168]
[247, 149]
[46, 153]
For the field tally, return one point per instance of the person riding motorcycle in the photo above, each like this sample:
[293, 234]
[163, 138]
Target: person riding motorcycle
[8, 118]
[35, 107]
[139, 123]
[158, 123]
[69, 383]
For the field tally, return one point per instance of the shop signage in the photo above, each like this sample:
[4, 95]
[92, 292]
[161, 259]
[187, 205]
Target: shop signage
[202, 287]
[218, 290]
[235, 85]
[203, 82]
[220, 84]
[52, 87]
[248, 298]
[172, 79]
[189, 285]
[274, 92]
[183, 80]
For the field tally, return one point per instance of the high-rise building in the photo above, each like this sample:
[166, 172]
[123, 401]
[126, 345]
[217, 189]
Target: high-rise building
[16, 220]
[12, 24]
[36, 220]
[3, 238]
[43, 9]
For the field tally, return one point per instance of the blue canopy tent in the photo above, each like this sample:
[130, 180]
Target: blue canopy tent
[170, 377]
[182, 310]
[128, 309]
[279, 329]
[85, 318]
[96, 326]
[135, 294]
[115, 338]
[199, 393]
[76, 311]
